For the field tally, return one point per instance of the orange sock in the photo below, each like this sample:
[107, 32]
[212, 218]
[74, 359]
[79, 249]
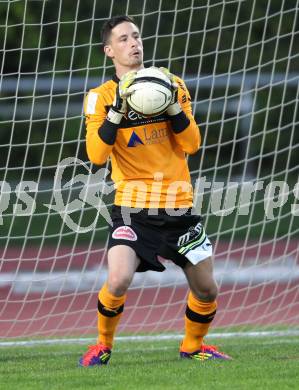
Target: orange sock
[198, 318]
[110, 309]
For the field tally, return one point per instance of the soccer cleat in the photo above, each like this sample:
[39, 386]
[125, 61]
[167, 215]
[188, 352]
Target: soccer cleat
[206, 352]
[97, 355]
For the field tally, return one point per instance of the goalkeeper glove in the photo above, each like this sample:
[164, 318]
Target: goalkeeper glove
[174, 108]
[119, 105]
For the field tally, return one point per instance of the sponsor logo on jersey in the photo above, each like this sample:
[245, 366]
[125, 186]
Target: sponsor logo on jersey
[154, 136]
[134, 119]
[134, 140]
[124, 233]
[150, 136]
[133, 116]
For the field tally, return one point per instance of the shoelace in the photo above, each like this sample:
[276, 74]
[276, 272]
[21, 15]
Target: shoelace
[205, 347]
[213, 348]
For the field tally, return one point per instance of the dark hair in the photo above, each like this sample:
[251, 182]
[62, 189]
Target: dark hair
[109, 25]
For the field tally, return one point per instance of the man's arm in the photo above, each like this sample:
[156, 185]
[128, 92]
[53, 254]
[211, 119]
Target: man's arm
[98, 149]
[101, 127]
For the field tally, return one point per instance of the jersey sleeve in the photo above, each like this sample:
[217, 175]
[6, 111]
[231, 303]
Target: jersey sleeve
[95, 114]
[189, 139]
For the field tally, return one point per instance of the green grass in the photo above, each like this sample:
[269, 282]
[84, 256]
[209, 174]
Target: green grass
[259, 363]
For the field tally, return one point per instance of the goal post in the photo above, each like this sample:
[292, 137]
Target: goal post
[240, 62]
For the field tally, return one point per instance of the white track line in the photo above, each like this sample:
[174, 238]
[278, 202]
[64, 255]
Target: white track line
[149, 338]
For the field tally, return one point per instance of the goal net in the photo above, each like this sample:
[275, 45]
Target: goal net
[240, 62]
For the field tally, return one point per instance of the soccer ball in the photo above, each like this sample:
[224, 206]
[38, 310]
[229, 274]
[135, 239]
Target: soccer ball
[150, 93]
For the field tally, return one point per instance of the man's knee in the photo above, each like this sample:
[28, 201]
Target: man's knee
[207, 293]
[118, 284]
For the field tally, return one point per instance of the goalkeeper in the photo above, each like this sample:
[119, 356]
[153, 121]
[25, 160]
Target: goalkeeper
[150, 153]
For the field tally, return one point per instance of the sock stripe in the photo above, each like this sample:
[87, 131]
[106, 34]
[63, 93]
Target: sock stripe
[202, 318]
[108, 312]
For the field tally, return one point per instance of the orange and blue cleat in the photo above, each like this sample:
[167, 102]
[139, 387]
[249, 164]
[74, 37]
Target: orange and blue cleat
[97, 355]
[206, 352]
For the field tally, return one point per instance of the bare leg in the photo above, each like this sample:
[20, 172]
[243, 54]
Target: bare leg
[122, 264]
[201, 304]
[201, 280]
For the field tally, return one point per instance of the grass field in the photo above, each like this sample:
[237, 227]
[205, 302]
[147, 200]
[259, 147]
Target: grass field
[259, 363]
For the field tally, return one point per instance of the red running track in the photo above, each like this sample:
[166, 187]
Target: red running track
[147, 310]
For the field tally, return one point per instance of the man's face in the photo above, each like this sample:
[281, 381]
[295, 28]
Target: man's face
[125, 46]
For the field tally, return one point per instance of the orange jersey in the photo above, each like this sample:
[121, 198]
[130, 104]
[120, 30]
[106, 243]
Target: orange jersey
[148, 159]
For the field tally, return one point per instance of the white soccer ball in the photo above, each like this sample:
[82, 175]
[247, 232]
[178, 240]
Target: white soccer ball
[151, 92]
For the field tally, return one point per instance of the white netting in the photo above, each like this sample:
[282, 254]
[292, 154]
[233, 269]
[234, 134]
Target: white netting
[240, 62]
